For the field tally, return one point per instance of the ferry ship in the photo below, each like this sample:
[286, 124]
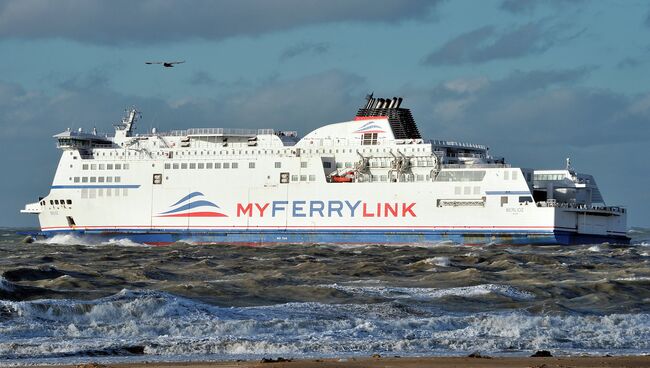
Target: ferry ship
[369, 180]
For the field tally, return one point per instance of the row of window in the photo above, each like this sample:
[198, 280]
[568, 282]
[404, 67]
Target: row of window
[464, 175]
[219, 165]
[371, 140]
[205, 165]
[56, 202]
[104, 192]
[506, 175]
[105, 167]
[402, 178]
[97, 179]
[549, 176]
[303, 178]
[467, 190]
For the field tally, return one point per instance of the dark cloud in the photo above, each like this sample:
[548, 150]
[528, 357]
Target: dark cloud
[154, 21]
[201, 78]
[29, 118]
[486, 44]
[629, 62]
[539, 108]
[313, 48]
[529, 6]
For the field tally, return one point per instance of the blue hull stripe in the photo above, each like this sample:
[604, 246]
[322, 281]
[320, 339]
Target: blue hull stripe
[262, 237]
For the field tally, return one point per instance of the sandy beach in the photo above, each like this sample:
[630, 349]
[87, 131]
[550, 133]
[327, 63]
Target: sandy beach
[438, 362]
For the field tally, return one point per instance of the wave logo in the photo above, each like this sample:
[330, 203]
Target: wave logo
[192, 205]
[370, 127]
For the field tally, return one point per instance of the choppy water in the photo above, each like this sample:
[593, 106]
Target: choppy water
[66, 299]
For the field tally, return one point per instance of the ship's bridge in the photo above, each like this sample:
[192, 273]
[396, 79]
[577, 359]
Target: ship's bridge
[81, 140]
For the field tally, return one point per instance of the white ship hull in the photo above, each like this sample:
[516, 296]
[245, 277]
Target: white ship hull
[203, 188]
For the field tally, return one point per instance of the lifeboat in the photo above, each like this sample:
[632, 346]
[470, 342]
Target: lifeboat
[345, 178]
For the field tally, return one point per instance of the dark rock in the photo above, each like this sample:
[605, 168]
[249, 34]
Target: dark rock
[476, 354]
[278, 360]
[542, 354]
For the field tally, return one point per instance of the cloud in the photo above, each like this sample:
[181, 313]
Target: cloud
[529, 6]
[487, 43]
[29, 118]
[314, 48]
[156, 21]
[539, 108]
[201, 78]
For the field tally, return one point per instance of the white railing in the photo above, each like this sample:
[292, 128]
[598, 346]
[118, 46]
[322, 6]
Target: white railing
[436, 142]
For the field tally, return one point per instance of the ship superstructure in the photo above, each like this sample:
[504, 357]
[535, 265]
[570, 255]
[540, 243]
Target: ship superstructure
[372, 179]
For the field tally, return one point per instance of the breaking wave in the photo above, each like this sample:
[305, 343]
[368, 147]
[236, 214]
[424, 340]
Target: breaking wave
[433, 293]
[157, 323]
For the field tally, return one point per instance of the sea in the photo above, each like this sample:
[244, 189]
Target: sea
[68, 299]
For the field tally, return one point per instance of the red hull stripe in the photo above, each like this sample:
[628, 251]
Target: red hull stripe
[300, 227]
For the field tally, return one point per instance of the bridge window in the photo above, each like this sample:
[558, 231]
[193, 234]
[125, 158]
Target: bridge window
[226, 165]
[118, 166]
[369, 139]
[200, 165]
[251, 165]
[208, 165]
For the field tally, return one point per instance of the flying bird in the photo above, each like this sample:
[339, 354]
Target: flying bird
[166, 64]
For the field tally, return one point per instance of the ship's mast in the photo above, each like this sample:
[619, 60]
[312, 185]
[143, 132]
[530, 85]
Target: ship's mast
[125, 128]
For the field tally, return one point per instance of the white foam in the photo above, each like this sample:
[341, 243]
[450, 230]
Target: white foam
[434, 293]
[64, 239]
[437, 261]
[594, 248]
[123, 242]
[167, 325]
[88, 241]
[633, 278]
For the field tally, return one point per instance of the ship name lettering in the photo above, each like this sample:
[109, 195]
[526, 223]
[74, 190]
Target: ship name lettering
[327, 209]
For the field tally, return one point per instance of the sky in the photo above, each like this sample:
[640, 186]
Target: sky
[536, 81]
